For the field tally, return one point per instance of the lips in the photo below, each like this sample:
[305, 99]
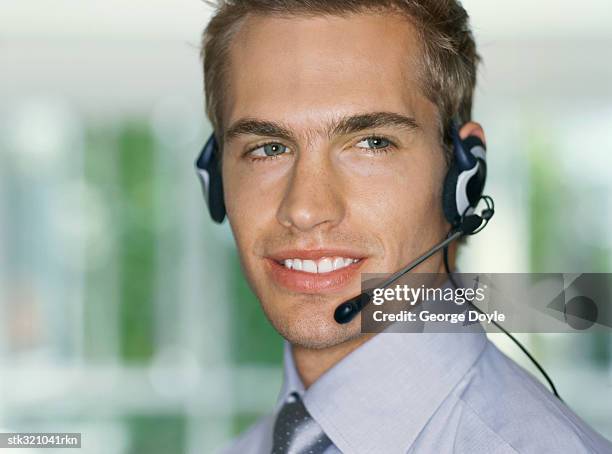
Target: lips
[314, 271]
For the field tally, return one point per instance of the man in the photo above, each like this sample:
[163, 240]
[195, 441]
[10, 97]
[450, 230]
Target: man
[332, 118]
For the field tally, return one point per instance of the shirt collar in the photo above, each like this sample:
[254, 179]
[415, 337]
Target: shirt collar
[384, 392]
[291, 380]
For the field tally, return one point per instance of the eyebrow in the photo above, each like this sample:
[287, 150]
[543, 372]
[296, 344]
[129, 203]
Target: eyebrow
[342, 126]
[357, 123]
[250, 126]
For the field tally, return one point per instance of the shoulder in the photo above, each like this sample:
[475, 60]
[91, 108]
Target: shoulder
[255, 440]
[504, 399]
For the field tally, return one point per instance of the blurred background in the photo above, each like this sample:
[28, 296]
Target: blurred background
[118, 294]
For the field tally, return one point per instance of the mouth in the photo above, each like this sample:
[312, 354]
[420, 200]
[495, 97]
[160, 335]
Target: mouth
[314, 271]
[321, 266]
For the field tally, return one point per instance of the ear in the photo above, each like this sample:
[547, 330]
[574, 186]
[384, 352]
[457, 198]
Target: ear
[471, 128]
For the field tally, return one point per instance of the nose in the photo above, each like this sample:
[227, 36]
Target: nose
[313, 196]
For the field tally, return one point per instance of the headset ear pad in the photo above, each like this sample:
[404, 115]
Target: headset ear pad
[449, 195]
[216, 202]
[208, 169]
[475, 185]
[465, 180]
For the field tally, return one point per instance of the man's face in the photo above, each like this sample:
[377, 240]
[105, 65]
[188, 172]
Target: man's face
[332, 163]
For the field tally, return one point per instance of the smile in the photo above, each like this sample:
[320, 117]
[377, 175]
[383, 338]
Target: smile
[324, 265]
[315, 271]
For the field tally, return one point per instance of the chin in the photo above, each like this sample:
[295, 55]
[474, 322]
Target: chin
[314, 330]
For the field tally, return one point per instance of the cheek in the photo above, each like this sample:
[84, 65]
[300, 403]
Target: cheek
[243, 217]
[248, 203]
[253, 191]
[401, 204]
[398, 194]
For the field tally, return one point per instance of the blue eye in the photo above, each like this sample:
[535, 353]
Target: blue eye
[374, 143]
[268, 150]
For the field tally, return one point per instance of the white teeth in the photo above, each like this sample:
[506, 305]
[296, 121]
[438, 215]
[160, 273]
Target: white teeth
[338, 263]
[310, 266]
[324, 265]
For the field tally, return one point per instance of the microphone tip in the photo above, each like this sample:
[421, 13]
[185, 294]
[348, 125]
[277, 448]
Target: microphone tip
[349, 309]
[345, 313]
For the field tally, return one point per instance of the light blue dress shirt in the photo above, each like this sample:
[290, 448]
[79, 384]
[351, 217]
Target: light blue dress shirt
[431, 393]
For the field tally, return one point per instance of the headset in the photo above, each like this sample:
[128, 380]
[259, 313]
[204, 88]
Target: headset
[462, 193]
[209, 171]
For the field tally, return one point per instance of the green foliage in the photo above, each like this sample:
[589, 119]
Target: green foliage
[243, 421]
[157, 434]
[136, 241]
[545, 192]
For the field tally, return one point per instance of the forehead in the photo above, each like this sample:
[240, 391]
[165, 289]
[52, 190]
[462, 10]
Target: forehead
[303, 69]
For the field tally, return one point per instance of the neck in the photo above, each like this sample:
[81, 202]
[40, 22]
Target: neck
[312, 363]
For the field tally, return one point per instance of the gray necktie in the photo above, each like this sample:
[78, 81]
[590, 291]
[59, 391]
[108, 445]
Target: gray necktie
[295, 432]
